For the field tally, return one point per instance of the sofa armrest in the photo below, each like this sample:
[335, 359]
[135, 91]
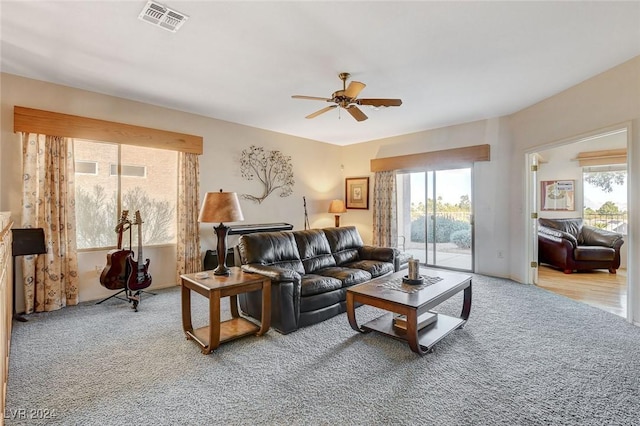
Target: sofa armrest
[285, 305]
[274, 273]
[554, 234]
[285, 297]
[555, 250]
[593, 236]
[383, 254]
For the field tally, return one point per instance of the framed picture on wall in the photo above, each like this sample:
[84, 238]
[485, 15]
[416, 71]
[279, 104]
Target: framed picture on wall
[558, 195]
[357, 193]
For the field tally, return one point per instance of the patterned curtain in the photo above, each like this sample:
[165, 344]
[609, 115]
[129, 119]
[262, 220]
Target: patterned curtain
[48, 202]
[385, 224]
[188, 251]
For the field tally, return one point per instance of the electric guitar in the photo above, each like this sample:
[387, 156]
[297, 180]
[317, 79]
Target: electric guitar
[114, 275]
[139, 276]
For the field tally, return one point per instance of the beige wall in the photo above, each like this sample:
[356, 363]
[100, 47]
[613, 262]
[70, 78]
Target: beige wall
[499, 185]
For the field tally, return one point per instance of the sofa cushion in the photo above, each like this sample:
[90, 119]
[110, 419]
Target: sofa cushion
[344, 243]
[572, 226]
[314, 250]
[594, 253]
[316, 284]
[270, 248]
[347, 276]
[375, 267]
[322, 300]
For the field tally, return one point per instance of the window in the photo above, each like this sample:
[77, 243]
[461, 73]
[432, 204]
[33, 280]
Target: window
[605, 197]
[128, 170]
[147, 182]
[86, 168]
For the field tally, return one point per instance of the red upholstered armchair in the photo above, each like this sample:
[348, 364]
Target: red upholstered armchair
[570, 245]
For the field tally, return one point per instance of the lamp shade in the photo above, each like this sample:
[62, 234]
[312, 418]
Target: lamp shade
[337, 206]
[220, 207]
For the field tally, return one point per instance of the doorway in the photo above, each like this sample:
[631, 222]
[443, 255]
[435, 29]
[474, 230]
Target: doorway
[435, 217]
[595, 167]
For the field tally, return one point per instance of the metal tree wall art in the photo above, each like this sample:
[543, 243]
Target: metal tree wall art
[273, 169]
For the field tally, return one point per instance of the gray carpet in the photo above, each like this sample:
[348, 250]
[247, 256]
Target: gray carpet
[526, 357]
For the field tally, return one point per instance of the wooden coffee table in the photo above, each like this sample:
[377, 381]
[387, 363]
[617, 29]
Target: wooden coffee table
[214, 287]
[390, 294]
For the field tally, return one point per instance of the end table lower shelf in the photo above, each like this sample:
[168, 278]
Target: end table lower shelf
[229, 330]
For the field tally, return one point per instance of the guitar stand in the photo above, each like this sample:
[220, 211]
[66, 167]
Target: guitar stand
[135, 298]
[113, 295]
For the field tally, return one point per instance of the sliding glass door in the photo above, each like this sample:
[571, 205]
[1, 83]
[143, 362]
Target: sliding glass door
[435, 218]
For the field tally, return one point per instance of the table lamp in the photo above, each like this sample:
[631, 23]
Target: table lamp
[221, 207]
[337, 207]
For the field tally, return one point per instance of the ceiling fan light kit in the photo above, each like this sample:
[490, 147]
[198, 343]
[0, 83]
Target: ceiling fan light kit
[347, 99]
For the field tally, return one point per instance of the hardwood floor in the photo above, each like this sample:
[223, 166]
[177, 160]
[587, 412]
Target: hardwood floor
[597, 288]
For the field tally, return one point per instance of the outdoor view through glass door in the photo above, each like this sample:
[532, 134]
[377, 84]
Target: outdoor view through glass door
[435, 217]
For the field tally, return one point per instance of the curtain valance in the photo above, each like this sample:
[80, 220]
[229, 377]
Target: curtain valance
[434, 160]
[37, 121]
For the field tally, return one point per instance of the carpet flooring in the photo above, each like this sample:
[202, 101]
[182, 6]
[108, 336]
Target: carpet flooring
[526, 357]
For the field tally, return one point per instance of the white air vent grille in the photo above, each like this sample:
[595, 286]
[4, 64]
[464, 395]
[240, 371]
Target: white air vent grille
[163, 17]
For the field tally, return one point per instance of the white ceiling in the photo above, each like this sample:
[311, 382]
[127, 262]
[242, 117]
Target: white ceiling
[450, 62]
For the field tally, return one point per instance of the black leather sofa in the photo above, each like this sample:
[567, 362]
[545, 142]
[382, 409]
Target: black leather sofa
[570, 245]
[310, 272]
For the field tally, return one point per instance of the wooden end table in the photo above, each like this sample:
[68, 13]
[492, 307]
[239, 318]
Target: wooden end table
[214, 287]
[413, 303]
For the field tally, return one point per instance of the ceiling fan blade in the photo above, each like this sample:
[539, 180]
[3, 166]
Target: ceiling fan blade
[311, 98]
[380, 102]
[353, 89]
[356, 113]
[321, 111]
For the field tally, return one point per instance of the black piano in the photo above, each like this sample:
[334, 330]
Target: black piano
[211, 257]
[259, 227]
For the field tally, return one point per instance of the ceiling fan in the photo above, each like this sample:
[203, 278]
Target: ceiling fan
[347, 98]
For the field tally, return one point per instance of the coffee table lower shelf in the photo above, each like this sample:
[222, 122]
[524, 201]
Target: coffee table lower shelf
[427, 337]
[229, 330]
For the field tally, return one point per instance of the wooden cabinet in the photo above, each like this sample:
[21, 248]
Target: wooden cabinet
[6, 304]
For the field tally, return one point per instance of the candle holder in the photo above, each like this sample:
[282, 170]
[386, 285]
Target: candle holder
[410, 281]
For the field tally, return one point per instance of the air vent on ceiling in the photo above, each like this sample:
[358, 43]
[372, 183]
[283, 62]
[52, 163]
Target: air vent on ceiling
[163, 17]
